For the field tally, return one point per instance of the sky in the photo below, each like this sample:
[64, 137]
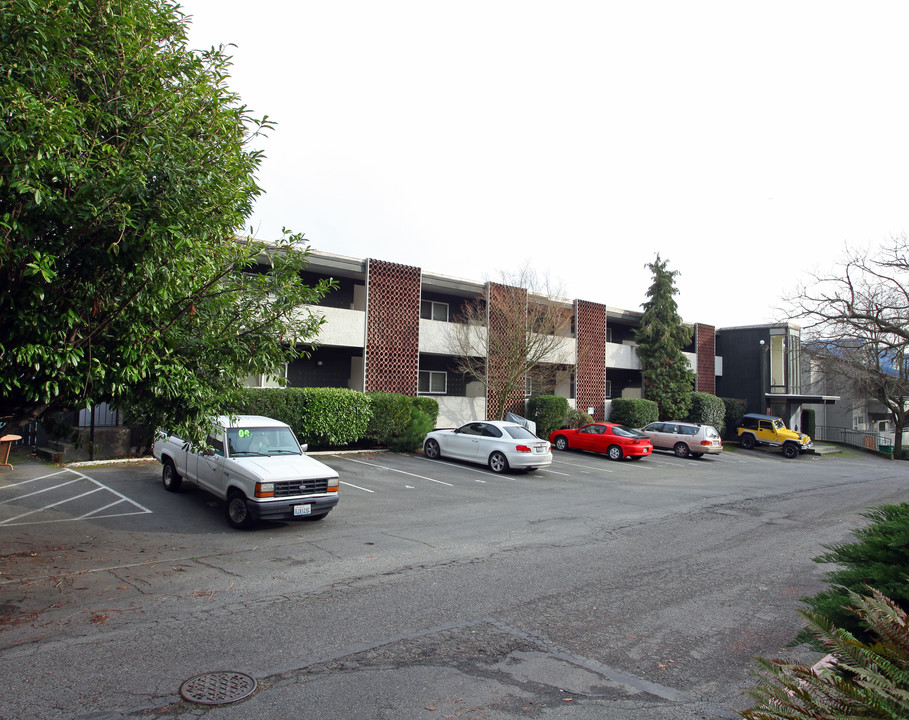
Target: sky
[746, 143]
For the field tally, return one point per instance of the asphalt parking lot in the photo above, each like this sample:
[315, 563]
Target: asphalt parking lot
[631, 589]
[128, 495]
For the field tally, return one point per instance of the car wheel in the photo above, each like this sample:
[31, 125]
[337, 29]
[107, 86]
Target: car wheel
[169, 477]
[615, 452]
[561, 443]
[237, 513]
[697, 455]
[681, 450]
[432, 450]
[747, 441]
[790, 450]
[498, 463]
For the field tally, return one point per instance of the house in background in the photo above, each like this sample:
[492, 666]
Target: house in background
[762, 365]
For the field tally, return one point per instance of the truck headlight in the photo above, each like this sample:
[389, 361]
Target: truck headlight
[264, 490]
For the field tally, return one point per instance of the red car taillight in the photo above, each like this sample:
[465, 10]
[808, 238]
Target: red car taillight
[522, 448]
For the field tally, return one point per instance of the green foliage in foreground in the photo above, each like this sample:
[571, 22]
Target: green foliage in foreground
[860, 679]
[125, 171]
[879, 558]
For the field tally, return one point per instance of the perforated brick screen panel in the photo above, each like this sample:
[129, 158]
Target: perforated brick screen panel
[705, 348]
[590, 375]
[392, 328]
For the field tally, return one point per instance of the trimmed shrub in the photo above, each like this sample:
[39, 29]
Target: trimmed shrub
[429, 406]
[735, 408]
[390, 416]
[548, 412]
[708, 409]
[320, 417]
[411, 439]
[634, 412]
[577, 418]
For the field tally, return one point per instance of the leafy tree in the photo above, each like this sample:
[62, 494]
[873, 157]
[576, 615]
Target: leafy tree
[125, 170]
[668, 379]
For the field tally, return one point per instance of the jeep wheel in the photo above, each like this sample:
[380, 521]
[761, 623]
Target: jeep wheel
[681, 450]
[748, 441]
[169, 476]
[237, 513]
[790, 450]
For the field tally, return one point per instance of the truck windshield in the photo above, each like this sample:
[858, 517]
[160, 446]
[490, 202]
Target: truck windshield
[778, 424]
[247, 442]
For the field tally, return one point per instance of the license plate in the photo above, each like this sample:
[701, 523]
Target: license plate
[539, 449]
[302, 510]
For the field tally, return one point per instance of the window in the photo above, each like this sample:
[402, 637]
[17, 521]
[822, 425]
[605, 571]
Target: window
[266, 381]
[431, 310]
[609, 388]
[432, 381]
[609, 334]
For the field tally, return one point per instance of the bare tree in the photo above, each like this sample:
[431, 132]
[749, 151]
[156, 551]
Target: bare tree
[856, 325]
[517, 329]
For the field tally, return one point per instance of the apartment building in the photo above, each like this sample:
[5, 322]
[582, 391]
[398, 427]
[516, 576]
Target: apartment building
[396, 328]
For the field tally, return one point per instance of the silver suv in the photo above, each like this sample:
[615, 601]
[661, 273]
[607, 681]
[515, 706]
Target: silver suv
[684, 438]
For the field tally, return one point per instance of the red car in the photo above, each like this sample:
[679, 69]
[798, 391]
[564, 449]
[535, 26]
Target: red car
[616, 441]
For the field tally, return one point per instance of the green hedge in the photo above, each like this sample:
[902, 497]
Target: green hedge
[429, 406]
[708, 409]
[577, 418]
[390, 416]
[320, 417]
[549, 412]
[634, 412]
[735, 408]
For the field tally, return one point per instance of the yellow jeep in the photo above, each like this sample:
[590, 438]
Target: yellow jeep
[754, 429]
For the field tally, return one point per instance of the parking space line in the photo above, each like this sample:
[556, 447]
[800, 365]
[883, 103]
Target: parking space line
[98, 487]
[403, 472]
[38, 492]
[443, 461]
[357, 487]
[554, 472]
[588, 467]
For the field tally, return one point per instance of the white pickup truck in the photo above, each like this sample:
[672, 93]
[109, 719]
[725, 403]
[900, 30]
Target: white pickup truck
[257, 466]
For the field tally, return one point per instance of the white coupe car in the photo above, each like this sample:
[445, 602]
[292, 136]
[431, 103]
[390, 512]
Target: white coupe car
[496, 443]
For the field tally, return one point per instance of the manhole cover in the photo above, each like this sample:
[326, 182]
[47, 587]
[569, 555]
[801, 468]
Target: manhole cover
[218, 688]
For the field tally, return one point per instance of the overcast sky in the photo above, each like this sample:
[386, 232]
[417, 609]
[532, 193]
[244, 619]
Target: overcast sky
[745, 142]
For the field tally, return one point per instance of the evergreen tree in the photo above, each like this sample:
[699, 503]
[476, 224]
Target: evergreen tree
[668, 380]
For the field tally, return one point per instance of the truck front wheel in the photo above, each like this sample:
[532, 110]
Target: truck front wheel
[169, 476]
[237, 512]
